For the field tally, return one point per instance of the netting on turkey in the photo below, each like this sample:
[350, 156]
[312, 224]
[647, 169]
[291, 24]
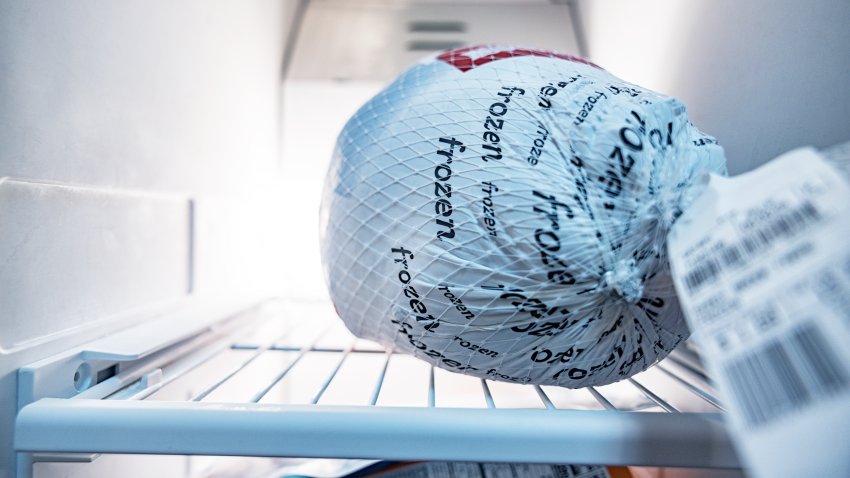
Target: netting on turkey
[501, 212]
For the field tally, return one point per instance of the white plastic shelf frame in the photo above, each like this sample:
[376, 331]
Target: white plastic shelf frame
[288, 380]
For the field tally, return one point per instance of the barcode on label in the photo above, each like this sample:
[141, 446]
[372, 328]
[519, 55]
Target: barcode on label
[785, 375]
[783, 226]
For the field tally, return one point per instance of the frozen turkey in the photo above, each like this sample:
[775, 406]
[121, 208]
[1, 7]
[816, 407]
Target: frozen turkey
[501, 212]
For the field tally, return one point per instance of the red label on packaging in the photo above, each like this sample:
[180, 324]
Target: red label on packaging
[465, 59]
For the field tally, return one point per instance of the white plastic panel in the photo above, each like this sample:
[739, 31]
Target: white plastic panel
[73, 257]
[375, 41]
[162, 95]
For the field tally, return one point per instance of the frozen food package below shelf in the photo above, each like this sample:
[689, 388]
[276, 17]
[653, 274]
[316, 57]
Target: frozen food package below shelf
[762, 266]
[442, 469]
[325, 468]
[502, 212]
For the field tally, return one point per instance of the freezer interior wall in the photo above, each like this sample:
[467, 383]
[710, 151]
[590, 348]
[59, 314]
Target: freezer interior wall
[762, 76]
[139, 162]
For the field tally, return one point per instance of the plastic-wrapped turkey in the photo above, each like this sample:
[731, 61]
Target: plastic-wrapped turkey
[502, 212]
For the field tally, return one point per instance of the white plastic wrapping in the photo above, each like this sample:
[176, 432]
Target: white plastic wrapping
[502, 213]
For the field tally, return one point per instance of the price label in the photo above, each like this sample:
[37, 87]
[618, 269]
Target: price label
[761, 263]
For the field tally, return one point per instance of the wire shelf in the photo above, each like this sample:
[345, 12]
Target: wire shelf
[292, 381]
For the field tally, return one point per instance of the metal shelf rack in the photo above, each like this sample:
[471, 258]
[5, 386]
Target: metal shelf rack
[287, 380]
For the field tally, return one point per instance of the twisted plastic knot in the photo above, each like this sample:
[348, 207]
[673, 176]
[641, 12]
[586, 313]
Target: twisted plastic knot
[624, 279]
[667, 216]
[667, 210]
